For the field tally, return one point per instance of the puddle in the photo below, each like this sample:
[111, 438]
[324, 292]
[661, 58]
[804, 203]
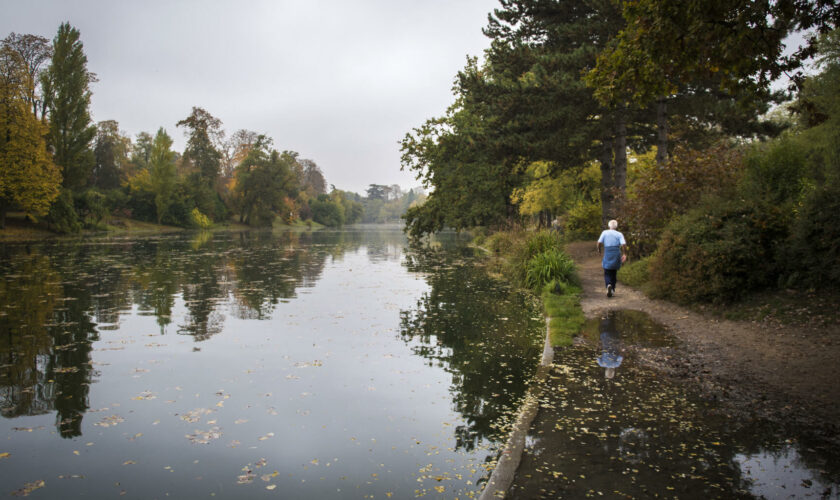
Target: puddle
[610, 427]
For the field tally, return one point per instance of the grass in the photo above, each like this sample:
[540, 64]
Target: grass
[561, 302]
[538, 262]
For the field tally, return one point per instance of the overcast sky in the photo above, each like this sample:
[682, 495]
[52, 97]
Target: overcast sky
[339, 81]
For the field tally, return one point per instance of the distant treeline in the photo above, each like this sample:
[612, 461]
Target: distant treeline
[59, 167]
[663, 115]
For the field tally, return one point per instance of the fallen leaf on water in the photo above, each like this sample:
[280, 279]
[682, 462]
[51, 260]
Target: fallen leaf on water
[29, 488]
[129, 462]
[5, 454]
[271, 486]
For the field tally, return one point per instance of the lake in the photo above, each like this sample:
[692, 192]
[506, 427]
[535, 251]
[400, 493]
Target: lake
[330, 364]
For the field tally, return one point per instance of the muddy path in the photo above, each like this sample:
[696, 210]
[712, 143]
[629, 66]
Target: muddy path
[786, 374]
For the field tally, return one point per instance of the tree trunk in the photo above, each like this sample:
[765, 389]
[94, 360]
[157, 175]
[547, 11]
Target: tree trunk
[607, 181]
[620, 158]
[2, 215]
[661, 131]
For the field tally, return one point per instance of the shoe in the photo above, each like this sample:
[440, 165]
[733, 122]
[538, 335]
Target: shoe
[609, 291]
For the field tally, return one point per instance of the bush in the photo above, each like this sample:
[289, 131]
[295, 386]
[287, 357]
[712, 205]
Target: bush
[635, 273]
[814, 247]
[583, 221]
[199, 220]
[62, 217]
[550, 265]
[661, 192]
[718, 251]
[501, 243]
[91, 207]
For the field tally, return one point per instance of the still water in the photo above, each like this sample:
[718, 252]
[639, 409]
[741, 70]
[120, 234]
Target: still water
[247, 365]
[609, 427]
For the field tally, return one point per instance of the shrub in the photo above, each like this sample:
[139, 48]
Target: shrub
[717, 252]
[199, 220]
[548, 266]
[501, 242]
[659, 193]
[814, 247]
[62, 217]
[584, 220]
[635, 273]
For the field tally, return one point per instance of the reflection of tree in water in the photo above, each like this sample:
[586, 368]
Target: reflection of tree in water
[29, 292]
[54, 301]
[46, 349]
[482, 332]
[270, 268]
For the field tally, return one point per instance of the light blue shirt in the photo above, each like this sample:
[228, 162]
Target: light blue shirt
[611, 238]
[612, 241]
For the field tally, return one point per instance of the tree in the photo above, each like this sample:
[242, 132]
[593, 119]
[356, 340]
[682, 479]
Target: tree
[162, 172]
[111, 154]
[141, 152]
[67, 94]
[263, 179]
[28, 178]
[34, 51]
[313, 178]
[670, 51]
[203, 130]
[525, 104]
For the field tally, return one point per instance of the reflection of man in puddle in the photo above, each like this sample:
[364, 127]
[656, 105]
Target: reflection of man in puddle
[609, 359]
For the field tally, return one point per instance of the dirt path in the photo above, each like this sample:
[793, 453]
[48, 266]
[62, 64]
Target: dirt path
[789, 374]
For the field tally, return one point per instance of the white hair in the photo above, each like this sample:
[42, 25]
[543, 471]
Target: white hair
[613, 224]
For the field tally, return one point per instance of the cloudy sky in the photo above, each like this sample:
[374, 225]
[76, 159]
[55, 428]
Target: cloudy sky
[339, 81]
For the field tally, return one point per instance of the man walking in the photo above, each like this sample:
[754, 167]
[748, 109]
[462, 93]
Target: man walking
[614, 247]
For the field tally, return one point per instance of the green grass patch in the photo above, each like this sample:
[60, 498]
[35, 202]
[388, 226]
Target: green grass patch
[562, 305]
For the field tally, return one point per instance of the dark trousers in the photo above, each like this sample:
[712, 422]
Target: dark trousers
[610, 277]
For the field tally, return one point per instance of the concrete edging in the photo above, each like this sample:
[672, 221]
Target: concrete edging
[502, 476]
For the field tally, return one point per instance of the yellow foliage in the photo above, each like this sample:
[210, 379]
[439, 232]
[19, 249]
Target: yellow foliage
[28, 177]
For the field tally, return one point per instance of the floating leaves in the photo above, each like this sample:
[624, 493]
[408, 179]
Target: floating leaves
[204, 437]
[194, 416]
[144, 396]
[110, 421]
[29, 488]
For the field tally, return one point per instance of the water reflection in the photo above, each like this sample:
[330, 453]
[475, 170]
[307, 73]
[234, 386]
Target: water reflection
[473, 326]
[210, 354]
[56, 297]
[641, 436]
[610, 359]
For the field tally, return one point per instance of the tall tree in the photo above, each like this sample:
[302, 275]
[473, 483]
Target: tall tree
[34, 51]
[203, 132]
[141, 152]
[111, 153]
[66, 87]
[202, 157]
[28, 178]
[162, 172]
